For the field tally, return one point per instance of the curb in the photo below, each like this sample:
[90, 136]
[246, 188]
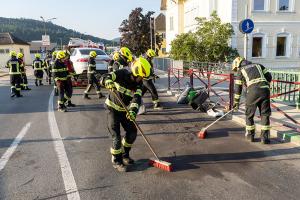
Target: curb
[2, 75]
[286, 135]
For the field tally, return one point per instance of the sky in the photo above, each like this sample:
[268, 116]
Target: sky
[100, 18]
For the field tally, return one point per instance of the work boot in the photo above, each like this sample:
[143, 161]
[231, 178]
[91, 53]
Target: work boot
[27, 88]
[250, 136]
[62, 108]
[22, 87]
[70, 104]
[126, 158]
[19, 95]
[265, 137]
[36, 83]
[118, 163]
[12, 95]
[142, 110]
[157, 106]
[41, 83]
[100, 95]
[86, 96]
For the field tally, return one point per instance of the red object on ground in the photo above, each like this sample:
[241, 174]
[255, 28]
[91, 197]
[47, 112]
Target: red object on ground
[202, 134]
[166, 166]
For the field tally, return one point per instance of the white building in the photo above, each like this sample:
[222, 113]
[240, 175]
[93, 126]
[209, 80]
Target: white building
[9, 42]
[275, 41]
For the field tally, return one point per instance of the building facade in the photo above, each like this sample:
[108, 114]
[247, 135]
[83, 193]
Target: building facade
[275, 41]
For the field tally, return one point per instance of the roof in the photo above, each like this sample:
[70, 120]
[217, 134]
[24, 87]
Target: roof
[160, 22]
[8, 38]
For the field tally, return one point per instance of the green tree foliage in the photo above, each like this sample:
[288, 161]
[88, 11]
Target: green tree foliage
[29, 30]
[210, 42]
[135, 32]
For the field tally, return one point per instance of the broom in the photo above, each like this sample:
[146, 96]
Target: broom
[203, 132]
[152, 162]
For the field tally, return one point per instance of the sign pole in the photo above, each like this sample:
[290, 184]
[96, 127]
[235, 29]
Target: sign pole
[246, 35]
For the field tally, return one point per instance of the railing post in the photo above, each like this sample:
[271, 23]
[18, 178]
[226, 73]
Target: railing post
[191, 77]
[169, 78]
[231, 90]
[208, 84]
[178, 78]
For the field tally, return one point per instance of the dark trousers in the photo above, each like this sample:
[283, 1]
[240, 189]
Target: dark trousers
[15, 82]
[38, 75]
[92, 81]
[49, 75]
[115, 120]
[258, 98]
[24, 81]
[64, 90]
[148, 85]
[70, 88]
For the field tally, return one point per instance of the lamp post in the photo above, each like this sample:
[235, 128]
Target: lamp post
[61, 47]
[46, 20]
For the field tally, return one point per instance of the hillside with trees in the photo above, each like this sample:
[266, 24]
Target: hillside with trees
[29, 30]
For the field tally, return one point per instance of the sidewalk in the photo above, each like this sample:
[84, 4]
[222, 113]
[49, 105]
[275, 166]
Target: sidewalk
[280, 123]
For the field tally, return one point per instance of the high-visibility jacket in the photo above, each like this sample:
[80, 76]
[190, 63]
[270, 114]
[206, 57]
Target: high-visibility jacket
[91, 66]
[22, 65]
[60, 71]
[70, 68]
[14, 66]
[37, 65]
[128, 90]
[254, 76]
[149, 59]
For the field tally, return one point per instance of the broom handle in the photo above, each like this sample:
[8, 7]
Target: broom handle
[219, 118]
[136, 125]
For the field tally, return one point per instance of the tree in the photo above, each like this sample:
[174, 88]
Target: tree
[135, 32]
[210, 42]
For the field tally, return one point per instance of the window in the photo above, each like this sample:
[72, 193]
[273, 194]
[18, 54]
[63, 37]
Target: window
[2, 51]
[21, 50]
[283, 5]
[87, 51]
[257, 47]
[7, 51]
[258, 5]
[171, 24]
[281, 46]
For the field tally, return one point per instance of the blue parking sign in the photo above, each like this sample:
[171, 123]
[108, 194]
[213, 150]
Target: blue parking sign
[246, 26]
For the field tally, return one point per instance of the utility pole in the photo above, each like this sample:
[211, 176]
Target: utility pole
[151, 31]
[45, 21]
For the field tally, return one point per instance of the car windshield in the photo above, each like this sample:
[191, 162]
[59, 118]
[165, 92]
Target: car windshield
[87, 51]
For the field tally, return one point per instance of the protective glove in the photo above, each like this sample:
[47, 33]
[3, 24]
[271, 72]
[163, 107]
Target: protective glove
[131, 115]
[236, 106]
[109, 85]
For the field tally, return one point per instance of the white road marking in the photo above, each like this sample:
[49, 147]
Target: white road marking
[9, 152]
[67, 174]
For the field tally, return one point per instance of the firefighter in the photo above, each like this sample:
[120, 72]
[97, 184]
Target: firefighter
[47, 67]
[15, 74]
[112, 61]
[128, 86]
[92, 80]
[24, 81]
[71, 74]
[37, 65]
[54, 54]
[148, 83]
[60, 75]
[123, 59]
[257, 80]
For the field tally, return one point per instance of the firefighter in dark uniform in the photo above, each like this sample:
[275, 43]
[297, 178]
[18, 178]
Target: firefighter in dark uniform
[37, 65]
[148, 83]
[128, 86]
[123, 60]
[71, 74]
[24, 81]
[257, 80]
[112, 61]
[60, 75]
[92, 80]
[15, 74]
[47, 67]
[54, 54]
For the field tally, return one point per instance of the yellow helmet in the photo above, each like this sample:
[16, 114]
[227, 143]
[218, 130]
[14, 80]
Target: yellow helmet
[237, 63]
[61, 55]
[150, 53]
[93, 54]
[37, 55]
[125, 52]
[20, 55]
[13, 54]
[141, 67]
[54, 53]
[116, 56]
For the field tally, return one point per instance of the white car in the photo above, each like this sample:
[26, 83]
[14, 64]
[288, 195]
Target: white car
[80, 58]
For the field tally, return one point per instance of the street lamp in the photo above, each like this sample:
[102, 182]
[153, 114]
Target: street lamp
[61, 47]
[45, 21]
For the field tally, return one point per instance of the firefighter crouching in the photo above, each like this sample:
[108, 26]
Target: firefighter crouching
[37, 65]
[128, 86]
[24, 81]
[60, 75]
[15, 74]
[92, 80]
[257, 80]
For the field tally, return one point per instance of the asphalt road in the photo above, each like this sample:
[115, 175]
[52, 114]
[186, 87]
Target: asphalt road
[51, 155]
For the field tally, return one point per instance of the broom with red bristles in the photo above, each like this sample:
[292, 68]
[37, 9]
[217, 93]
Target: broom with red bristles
[153, 162]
